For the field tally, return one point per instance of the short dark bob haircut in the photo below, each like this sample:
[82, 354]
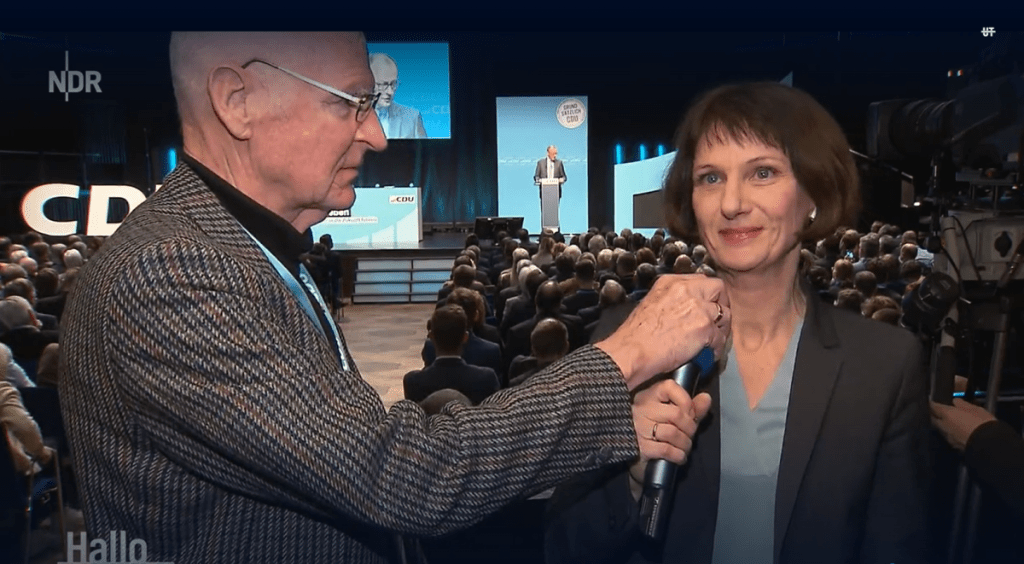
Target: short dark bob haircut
[781, 117]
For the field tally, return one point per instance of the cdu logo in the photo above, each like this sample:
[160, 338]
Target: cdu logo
[69, 81]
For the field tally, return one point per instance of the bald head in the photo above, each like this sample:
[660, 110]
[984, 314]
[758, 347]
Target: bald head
[283, 117]
[196, 55]
[385, 77]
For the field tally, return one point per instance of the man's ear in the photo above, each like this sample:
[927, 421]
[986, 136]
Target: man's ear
[227, 90]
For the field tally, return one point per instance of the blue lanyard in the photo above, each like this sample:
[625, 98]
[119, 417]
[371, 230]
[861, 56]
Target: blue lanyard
[303, 297]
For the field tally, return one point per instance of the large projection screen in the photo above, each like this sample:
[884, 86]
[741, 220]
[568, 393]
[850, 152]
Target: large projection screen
[423, 83]
[637, 178]
[526, 126]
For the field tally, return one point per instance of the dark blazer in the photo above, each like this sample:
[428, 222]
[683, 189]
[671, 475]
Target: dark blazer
[542, 172]
[476, 351]
[209, 415]
[580, 299]
[852, 479]
[475, 382]
[517, 310]
[518, 342]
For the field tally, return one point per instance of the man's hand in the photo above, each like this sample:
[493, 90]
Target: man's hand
[678, 318]
[956, 422]
[666, 420]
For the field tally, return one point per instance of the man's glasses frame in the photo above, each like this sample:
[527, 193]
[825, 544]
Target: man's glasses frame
[363, 104]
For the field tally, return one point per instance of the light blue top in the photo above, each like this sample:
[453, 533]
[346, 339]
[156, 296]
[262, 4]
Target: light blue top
[751, 450]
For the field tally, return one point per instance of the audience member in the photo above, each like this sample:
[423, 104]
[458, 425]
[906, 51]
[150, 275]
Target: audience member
[449, 331]
[46, 372]
[477, 350]
[669, 254]
[23, 436]
[645, 275]
[683, 265]
[850, 299]
[866, 282]
[581, 291]
[549, 341]
[12, 371]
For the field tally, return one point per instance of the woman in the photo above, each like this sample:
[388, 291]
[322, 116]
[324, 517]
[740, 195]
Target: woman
[545, 255]
[815, 447]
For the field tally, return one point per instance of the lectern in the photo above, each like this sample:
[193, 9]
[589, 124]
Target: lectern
[549, 203]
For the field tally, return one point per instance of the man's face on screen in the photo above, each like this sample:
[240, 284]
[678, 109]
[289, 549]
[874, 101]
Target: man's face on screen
[552, 153]
[385, 77]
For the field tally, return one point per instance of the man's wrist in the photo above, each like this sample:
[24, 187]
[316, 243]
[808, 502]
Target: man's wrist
[622, 357]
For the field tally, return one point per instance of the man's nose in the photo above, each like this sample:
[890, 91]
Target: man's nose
[372, 133]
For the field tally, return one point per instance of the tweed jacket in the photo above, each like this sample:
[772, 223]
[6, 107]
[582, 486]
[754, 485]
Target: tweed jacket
[209, 417]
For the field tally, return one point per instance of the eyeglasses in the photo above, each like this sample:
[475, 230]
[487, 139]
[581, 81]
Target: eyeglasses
[363, 104]
[387, 85]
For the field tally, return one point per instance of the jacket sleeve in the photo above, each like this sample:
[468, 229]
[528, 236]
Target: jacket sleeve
[995, 456]
[592, 518]
[223, 371]
[897, 520]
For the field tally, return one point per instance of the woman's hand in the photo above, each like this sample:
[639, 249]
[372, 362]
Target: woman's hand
[666, 420]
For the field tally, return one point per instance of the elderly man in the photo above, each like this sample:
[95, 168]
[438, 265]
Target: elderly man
[397, 121]
[213, 408]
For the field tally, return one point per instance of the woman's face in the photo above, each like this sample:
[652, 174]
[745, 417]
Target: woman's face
[747, 202]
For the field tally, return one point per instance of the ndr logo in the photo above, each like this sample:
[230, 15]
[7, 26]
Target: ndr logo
[401, 199]
[69, 81]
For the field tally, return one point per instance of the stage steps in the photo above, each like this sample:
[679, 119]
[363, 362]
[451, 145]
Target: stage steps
[398, 279]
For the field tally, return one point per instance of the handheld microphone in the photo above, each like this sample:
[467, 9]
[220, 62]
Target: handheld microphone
[660, 475]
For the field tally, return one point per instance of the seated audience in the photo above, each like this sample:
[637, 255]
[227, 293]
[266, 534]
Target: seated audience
[505, 294]
[23, 436]
[449, 330]
[875, 303]
[545, 256]
[887, 315]
[481, 348]
[683, 265]
[522, 307]
[20, 330]
[645, 276]
[549, 342]
[866, 283]
[614, 306]
[581, 291]
[669, 254]
[46, 372]
[548, 306]
[11, 370]
[851, 299]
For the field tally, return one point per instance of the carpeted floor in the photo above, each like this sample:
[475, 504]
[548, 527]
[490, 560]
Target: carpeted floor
[385, 340]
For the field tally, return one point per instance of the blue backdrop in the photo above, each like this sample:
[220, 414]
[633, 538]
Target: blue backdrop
[526, 126]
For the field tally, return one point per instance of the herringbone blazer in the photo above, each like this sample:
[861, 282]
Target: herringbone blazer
[209, 417]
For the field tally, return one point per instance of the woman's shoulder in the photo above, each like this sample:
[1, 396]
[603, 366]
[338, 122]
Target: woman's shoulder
[868, 338]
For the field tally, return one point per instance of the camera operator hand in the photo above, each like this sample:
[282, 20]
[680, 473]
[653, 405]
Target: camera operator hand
[958, 421]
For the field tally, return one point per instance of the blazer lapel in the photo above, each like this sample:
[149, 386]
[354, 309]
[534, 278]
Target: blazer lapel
[818, 361]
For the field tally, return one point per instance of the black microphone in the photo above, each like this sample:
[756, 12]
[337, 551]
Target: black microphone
[660, 475]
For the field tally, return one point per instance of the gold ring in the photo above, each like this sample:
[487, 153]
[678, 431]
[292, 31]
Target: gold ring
[654, 432]
[721, 313]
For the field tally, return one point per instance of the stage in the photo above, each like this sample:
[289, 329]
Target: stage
[407, 272]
